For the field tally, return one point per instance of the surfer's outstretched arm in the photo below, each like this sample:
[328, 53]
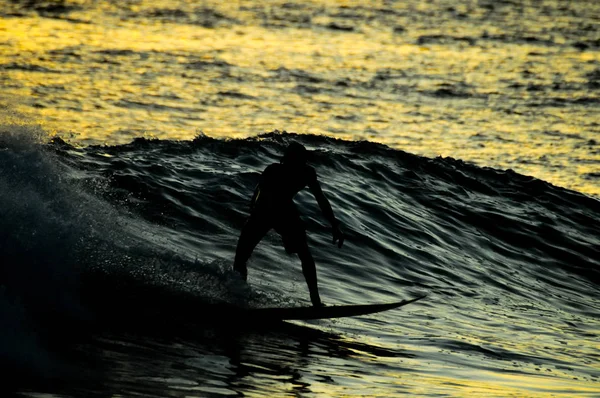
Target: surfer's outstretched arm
[255, 197]
[316, 190]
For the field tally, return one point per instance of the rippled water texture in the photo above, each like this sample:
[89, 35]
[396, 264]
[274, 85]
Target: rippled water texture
[507, 84]
[138, 239]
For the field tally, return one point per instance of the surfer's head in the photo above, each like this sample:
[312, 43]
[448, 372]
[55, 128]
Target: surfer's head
[295, 155]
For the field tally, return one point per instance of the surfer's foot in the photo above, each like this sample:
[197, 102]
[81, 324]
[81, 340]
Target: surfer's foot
[316, 300]
[243, 271]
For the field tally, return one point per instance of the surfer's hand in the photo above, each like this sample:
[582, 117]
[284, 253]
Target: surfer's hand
[338, 235]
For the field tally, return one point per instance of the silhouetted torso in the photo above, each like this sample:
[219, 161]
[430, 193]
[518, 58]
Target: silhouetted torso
[279, 184]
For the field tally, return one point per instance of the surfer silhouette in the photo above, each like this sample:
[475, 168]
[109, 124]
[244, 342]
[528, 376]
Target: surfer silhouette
[272, 207]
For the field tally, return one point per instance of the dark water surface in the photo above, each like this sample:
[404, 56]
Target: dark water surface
[114, 256]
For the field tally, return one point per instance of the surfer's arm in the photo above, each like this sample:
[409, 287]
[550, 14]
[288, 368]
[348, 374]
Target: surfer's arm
[264, 178]
[255, 197]
[316, 190]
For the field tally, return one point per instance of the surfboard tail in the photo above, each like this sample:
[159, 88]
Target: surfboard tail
[336, 311]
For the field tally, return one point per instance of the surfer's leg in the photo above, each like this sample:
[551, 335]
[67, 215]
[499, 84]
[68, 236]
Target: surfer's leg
[293, 233]
[252, 232]
[310, 273]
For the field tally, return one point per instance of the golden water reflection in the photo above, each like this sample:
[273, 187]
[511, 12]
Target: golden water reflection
[100, 78]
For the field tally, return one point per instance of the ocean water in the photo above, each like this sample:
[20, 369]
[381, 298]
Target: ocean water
[456, 141]
[505, 84]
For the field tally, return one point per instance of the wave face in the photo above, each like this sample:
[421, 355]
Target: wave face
[95, 235]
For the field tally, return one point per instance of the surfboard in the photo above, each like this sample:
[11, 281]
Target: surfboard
[334, 311]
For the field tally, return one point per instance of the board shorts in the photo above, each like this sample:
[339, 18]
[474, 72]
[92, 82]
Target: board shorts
[286, 222]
